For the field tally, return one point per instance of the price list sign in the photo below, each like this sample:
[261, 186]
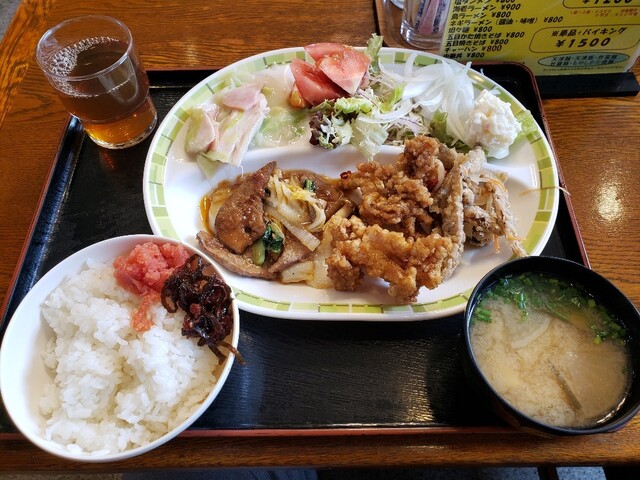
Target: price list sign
[552, 37]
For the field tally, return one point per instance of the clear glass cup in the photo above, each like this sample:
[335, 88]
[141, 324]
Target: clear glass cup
[423, 22]
[92, 63]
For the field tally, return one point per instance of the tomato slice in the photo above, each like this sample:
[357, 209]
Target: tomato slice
[343, 64]
[345, 68]
[313, 84]
[323, 49]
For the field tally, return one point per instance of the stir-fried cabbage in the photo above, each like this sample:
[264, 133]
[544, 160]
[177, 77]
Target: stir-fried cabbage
[297, 207]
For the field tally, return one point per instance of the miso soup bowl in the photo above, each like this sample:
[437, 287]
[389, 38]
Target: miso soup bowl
[605, 293]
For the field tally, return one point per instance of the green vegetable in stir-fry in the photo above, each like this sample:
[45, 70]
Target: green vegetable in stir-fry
[271, 243]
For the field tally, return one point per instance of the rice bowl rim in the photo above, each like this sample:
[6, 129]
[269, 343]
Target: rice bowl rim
[21, 362]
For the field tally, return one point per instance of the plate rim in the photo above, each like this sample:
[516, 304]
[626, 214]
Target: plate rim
[543, 223]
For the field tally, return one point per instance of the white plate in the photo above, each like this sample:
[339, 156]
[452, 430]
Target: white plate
[173, 186]
[23, 374]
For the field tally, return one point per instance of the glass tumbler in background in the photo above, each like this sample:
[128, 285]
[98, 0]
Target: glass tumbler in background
[92, 63]
[423, 22]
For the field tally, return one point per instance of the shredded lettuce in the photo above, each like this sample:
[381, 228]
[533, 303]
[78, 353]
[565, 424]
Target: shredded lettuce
[336, 122]
[356, 105]
[391, 98]
[438, 129]
[331, 121]
[329, 130]
[368, 137]
[373, 48]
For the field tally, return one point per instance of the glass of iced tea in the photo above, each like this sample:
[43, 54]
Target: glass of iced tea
[93, 64]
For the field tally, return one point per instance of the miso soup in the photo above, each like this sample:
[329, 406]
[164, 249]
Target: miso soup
[551, 350]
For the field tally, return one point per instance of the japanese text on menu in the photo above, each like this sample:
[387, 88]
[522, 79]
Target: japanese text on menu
[552, 37]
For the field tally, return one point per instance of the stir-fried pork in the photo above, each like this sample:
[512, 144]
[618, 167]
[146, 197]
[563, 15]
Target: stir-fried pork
[240, 220]
[236, 263]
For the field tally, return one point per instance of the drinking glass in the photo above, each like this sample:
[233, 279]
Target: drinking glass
[92, 63]
[423, 22]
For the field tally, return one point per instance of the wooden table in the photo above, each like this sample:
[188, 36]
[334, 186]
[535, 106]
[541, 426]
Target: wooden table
[597, 141]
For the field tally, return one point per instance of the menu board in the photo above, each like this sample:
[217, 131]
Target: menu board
[552, 37]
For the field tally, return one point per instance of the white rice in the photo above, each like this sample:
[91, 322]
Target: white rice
[112, 388]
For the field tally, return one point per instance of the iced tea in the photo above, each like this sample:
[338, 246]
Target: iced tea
[100, 80]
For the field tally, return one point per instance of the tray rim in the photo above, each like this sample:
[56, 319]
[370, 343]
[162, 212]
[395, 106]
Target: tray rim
[327, 432]
[72, 128]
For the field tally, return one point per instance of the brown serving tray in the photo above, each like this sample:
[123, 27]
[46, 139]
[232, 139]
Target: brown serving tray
[301, 377]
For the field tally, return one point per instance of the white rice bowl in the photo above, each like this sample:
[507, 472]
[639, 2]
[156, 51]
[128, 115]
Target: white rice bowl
[80, 383]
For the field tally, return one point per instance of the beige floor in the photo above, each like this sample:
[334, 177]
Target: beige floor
[7, 9]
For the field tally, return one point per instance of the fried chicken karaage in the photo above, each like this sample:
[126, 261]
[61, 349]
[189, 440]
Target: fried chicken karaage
[410, 227]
